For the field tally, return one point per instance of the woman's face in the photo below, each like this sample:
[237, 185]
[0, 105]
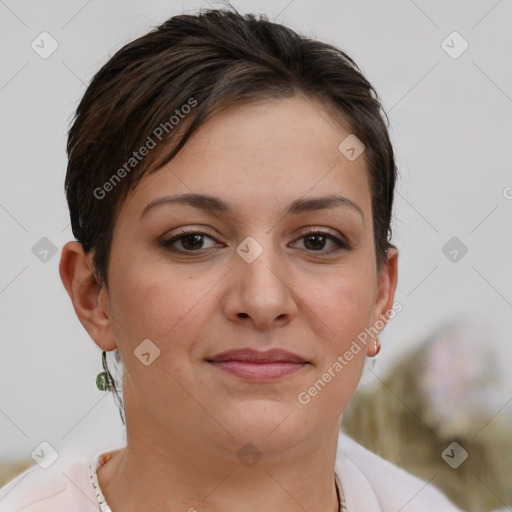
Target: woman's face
[247, 276]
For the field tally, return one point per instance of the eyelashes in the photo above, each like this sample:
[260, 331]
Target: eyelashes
[191, 239]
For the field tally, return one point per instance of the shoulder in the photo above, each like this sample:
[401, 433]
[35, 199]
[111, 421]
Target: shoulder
[63, 486]
[389, 486]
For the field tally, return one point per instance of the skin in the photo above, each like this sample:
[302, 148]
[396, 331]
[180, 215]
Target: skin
[187, 420]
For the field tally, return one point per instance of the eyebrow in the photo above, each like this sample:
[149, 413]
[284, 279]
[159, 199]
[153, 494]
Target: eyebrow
[210, 203]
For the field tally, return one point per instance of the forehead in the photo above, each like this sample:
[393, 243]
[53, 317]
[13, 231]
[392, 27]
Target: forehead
[269, 150]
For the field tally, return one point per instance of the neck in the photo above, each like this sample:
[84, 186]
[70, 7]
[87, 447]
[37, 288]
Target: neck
[175, 473]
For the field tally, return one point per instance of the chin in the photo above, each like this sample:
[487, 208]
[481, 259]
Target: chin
[268, 424]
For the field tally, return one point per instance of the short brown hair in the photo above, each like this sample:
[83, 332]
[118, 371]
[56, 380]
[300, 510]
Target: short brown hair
[206, 62]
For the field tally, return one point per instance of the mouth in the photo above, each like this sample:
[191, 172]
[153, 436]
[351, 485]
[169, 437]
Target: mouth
[249, 355]
[253, 365]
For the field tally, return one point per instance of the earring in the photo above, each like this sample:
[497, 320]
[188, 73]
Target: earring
[104, 379]
[377, 346]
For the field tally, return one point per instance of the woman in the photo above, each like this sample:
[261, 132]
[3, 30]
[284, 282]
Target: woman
[230, 185]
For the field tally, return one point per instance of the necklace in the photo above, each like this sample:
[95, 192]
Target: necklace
[341, 496]
[98, 460]
[95, 463]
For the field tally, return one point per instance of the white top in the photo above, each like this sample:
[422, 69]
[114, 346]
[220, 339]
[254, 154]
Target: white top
[369, 484]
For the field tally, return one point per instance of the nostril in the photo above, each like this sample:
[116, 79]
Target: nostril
[243, 315]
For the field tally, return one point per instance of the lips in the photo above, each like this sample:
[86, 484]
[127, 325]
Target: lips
[252, 365]
[254, 356]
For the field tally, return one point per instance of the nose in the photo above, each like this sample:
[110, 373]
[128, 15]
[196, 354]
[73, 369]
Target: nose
[260, 292]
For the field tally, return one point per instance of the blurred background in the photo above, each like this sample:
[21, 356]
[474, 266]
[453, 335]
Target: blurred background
[438, 400]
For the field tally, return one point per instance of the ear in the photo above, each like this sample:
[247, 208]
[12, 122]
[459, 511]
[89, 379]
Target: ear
[89, 299]
[384, 296]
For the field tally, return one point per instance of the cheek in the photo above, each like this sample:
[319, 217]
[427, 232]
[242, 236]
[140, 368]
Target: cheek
[160, 304]
[343, 305]
[166, 312]
[342, 311]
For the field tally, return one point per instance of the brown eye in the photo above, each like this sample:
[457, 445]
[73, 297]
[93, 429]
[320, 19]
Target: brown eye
[192, 241]
[317, 241]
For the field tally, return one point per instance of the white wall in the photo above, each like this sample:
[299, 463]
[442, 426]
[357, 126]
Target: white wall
[450, 123]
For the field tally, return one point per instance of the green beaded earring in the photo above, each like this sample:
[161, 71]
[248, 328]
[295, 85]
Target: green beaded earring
[104, 379]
